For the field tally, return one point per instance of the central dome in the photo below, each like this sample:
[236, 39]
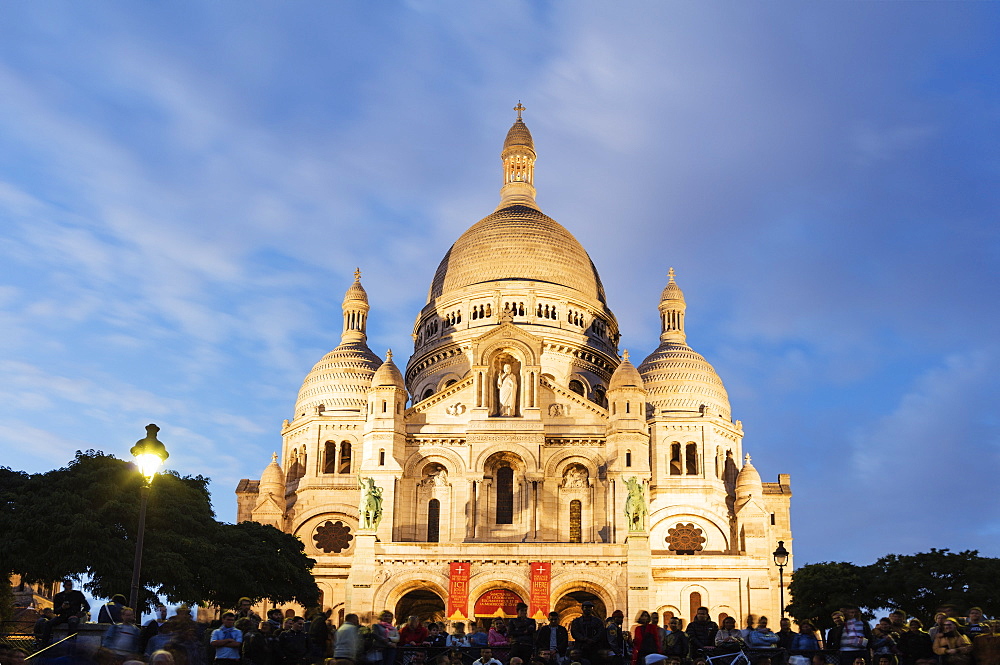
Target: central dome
[517, 243]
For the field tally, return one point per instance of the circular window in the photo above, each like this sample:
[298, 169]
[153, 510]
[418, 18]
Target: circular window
[333, 537]
[685, 539]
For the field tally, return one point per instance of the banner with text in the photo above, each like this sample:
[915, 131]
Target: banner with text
[541, 577]
[458, 591]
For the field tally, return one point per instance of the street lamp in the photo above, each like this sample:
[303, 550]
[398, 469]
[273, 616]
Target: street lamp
[149, 454]
[781, 560]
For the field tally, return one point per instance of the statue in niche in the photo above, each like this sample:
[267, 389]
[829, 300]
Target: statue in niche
[576, 477]
[507, 385]
[371, 503]
[434, 475]
[635, 505]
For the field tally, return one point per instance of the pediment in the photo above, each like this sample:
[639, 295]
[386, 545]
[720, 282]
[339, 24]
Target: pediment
[507, 334]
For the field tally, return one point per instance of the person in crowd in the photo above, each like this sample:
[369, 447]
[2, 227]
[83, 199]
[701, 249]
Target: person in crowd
[951, 645]
[276, 618]
[228, 641]
[437, 641]
[486, 657]
[521, 633]
[515, 661]
[654, 618]
[186, 648]
[182, 614]
[832, 640]
[676, 644]
[975, 626]
[762, 637]
[805, 642]
[915, 644]
[111, 611]
[497, 637]
[939, 620]
[152, 627]
[347, 641]
[785, 633]
[418, 657]
[259, 645]
[70, 605]
[617, 639]
[884, 659]
[244, 610]
[458, 638]
[122, 639]
[163, 637]
[853, 638]
[899, 626]
[477, 638]
[645, 638]
[587, 630]
[161, 657]
[702, 631]
[574, 655]
[552, 637]
[456, 657]
[729, 634]
[882, 643]
[42, 630]
[319, 636]
[751, 626]
[294, 643]
[413, 633]
[986, 647]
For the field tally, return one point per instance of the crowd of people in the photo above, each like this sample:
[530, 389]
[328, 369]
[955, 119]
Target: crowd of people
[241, 637]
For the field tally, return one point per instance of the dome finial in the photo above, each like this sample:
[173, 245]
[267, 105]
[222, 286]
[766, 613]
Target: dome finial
[518, 157]
[670, 274]
[520, 107]
[625, 355]
[357, 274]
[274, 457]
[746, 458]
[388, 355]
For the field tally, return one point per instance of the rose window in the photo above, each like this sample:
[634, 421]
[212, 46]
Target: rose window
[333, 537]
[685, 539]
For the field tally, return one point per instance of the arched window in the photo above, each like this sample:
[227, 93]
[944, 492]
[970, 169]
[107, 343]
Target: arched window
[505, 495]
[576, 386]
[600, 397]
[628, 458]
[433, 520]
[427, 393]
[691, 459]
[345, 457]
[329, 457]
[575, 525]
[695, 604]
[675, 459]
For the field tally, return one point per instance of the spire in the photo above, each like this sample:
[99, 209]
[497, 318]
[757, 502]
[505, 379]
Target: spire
[518, 159]
[672, 307]
[355, 309]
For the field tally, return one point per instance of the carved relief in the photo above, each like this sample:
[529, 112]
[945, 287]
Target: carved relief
[576, 476]
[455, 409]
[557, 410]
[435, 475]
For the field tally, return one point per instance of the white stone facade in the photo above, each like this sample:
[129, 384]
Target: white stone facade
[501, 477]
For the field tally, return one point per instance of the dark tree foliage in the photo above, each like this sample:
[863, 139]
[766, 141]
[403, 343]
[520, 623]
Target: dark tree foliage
[82, 520]
[918, 584]
[817, 590]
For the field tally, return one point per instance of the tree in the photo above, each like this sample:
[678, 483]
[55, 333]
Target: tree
[920, 583]
[817, 590]
[82, 520]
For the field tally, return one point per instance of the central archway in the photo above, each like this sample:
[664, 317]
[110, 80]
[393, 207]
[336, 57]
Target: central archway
[570, 606]
[424, 603]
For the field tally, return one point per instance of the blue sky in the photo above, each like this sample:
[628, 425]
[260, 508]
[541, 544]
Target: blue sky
[186, 189]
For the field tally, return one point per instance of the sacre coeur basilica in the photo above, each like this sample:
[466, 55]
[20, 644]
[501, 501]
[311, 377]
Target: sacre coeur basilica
[519, 456]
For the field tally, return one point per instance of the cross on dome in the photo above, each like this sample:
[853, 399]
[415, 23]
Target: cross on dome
[747, 458]
[625, 355]
[388, 355]
[274, 457]
[357, 274]
[520, 107]
[670, 274]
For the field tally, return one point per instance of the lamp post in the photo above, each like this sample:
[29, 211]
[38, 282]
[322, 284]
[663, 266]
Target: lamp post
[149, 454]
[781, 560]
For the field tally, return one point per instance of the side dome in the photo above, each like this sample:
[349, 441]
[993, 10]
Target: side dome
[339, 381]
[388, 375]
[678, 378]
[626, 376]
[517, 243]
[273, 479]
[748, 483]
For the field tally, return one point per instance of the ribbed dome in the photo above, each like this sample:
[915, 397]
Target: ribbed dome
[272, 478]
[355, 291]
[340, 380]
[519, 135]
[388, 375]
[678, 378]
[671, 291]
[517, 243]
[625, 376]
[748, 483]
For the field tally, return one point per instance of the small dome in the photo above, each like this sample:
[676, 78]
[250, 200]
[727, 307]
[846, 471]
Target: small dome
[388, 374]
[748, 483]
[272, 476]
[671, 291]
[340, 380]
[355, 291]
[626, 376]
[678, 378]
[518, 135]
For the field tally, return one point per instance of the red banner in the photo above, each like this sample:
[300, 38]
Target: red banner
[458, 591]
[541, 576]
[497, 603]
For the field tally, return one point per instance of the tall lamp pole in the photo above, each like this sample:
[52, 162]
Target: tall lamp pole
[149, 454]
[781, 560]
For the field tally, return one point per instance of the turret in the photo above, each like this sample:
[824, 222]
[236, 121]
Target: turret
[270, 507]
[627, 398]
[672, 308]
[518, 159]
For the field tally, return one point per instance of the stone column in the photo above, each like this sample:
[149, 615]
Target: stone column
[359, 595]
[638, 569]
